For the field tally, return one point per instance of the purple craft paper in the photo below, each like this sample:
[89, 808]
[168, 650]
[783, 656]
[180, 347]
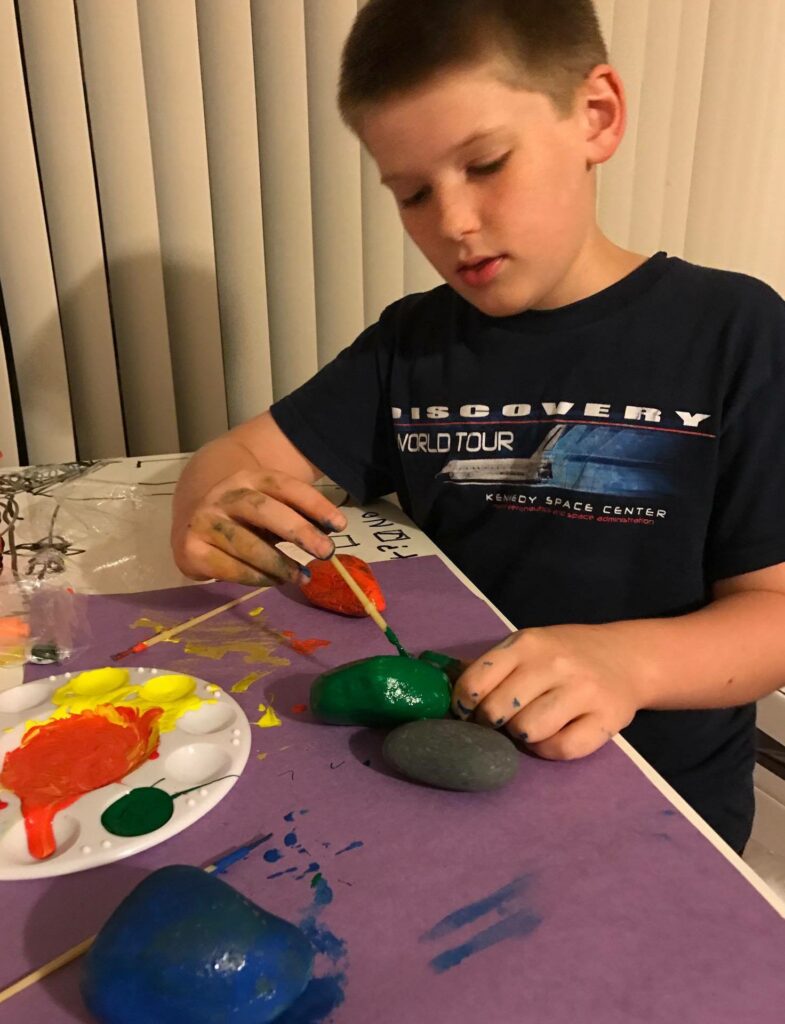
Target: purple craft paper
[576, 894]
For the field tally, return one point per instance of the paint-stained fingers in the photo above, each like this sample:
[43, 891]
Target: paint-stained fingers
[224, 567]
[269, 513]
[220, 534]
[540, 717]
[296, 494]
[579, 738]
[482, 677]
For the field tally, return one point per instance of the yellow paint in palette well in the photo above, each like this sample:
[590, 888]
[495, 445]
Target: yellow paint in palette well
[176, 694]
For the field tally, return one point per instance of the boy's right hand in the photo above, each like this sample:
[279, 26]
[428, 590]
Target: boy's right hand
[231, 532]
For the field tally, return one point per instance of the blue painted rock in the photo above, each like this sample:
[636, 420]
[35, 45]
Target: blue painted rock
[186, 947]
[451, 754]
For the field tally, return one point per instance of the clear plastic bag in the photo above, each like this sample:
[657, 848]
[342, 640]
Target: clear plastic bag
[78, 524]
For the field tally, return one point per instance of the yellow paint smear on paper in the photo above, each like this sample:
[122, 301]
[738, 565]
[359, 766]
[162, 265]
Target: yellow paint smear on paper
[261, 757]
[221, 636]
[268, 719]
[256, 611]
[255, 651]
[157, 627]
[242, 684]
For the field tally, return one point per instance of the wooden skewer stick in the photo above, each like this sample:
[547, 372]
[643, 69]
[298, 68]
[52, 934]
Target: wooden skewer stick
[42, 972]
[367, 604]
[82, 947]
[167, 634]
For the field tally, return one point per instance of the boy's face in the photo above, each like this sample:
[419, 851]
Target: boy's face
[493, 185]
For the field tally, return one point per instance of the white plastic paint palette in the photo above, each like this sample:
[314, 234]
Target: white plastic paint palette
[207, 743]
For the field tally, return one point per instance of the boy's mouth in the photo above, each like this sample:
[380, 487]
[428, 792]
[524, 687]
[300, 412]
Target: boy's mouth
[480, 271]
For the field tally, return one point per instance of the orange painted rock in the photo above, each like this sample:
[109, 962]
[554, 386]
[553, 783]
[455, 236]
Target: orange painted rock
[327, 589]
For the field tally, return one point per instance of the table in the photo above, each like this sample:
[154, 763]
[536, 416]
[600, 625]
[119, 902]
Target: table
[583, 896]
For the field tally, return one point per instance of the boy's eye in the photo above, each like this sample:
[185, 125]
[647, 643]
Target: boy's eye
[414, 199]
[489, 168]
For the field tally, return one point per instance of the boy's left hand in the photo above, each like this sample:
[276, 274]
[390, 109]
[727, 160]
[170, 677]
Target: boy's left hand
[563, 690]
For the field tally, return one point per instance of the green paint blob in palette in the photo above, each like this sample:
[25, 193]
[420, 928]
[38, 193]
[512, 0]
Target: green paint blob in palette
[143, 810]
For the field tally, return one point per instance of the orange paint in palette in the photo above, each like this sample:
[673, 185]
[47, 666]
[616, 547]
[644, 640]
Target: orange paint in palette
[61, 760]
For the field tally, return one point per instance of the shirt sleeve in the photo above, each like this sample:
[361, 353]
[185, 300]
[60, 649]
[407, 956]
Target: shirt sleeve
[341, 421]
[747, 527]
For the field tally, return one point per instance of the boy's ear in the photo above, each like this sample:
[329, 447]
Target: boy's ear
[604, 111]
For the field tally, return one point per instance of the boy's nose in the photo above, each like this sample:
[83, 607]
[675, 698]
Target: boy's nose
[458, 217]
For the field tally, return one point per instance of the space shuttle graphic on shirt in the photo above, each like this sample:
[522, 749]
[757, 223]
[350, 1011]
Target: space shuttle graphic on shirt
[597, 458]
[536, 469]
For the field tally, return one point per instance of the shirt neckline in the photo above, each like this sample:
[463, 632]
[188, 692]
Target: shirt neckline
[588, 310]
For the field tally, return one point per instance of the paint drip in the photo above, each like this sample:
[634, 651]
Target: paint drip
[61, 760]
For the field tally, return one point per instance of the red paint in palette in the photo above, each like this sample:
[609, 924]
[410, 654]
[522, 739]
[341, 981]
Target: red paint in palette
[61, 760]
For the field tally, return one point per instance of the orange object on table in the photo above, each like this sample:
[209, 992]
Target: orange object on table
[12, 627]
[326, 589]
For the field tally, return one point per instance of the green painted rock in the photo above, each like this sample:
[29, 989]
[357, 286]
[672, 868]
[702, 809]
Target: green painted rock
[386, 690]
[452, 755]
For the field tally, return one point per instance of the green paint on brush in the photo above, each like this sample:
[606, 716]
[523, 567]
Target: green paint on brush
[396, 642]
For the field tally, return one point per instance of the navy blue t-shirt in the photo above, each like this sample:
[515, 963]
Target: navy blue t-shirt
[607, 460]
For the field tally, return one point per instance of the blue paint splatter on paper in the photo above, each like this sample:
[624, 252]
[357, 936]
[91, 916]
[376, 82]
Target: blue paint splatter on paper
[278, 874]
[352, 846]
[325, 993]
[224, 863]
[516, 922]
[313, 866]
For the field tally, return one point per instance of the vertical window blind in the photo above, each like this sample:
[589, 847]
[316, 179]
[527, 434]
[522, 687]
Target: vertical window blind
[187, 230]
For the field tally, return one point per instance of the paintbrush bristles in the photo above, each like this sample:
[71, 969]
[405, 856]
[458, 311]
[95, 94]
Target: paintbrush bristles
[359, 593]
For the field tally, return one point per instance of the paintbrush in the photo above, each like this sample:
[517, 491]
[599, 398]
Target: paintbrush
[367, 604]
[167, 634]
[82, 947]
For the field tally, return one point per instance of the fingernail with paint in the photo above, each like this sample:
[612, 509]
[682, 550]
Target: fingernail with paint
[463, 711]
[305, 574]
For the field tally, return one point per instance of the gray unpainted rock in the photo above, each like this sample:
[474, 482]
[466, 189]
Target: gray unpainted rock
[451, 754]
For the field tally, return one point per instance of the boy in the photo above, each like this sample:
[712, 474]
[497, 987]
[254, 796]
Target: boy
[590, 434]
